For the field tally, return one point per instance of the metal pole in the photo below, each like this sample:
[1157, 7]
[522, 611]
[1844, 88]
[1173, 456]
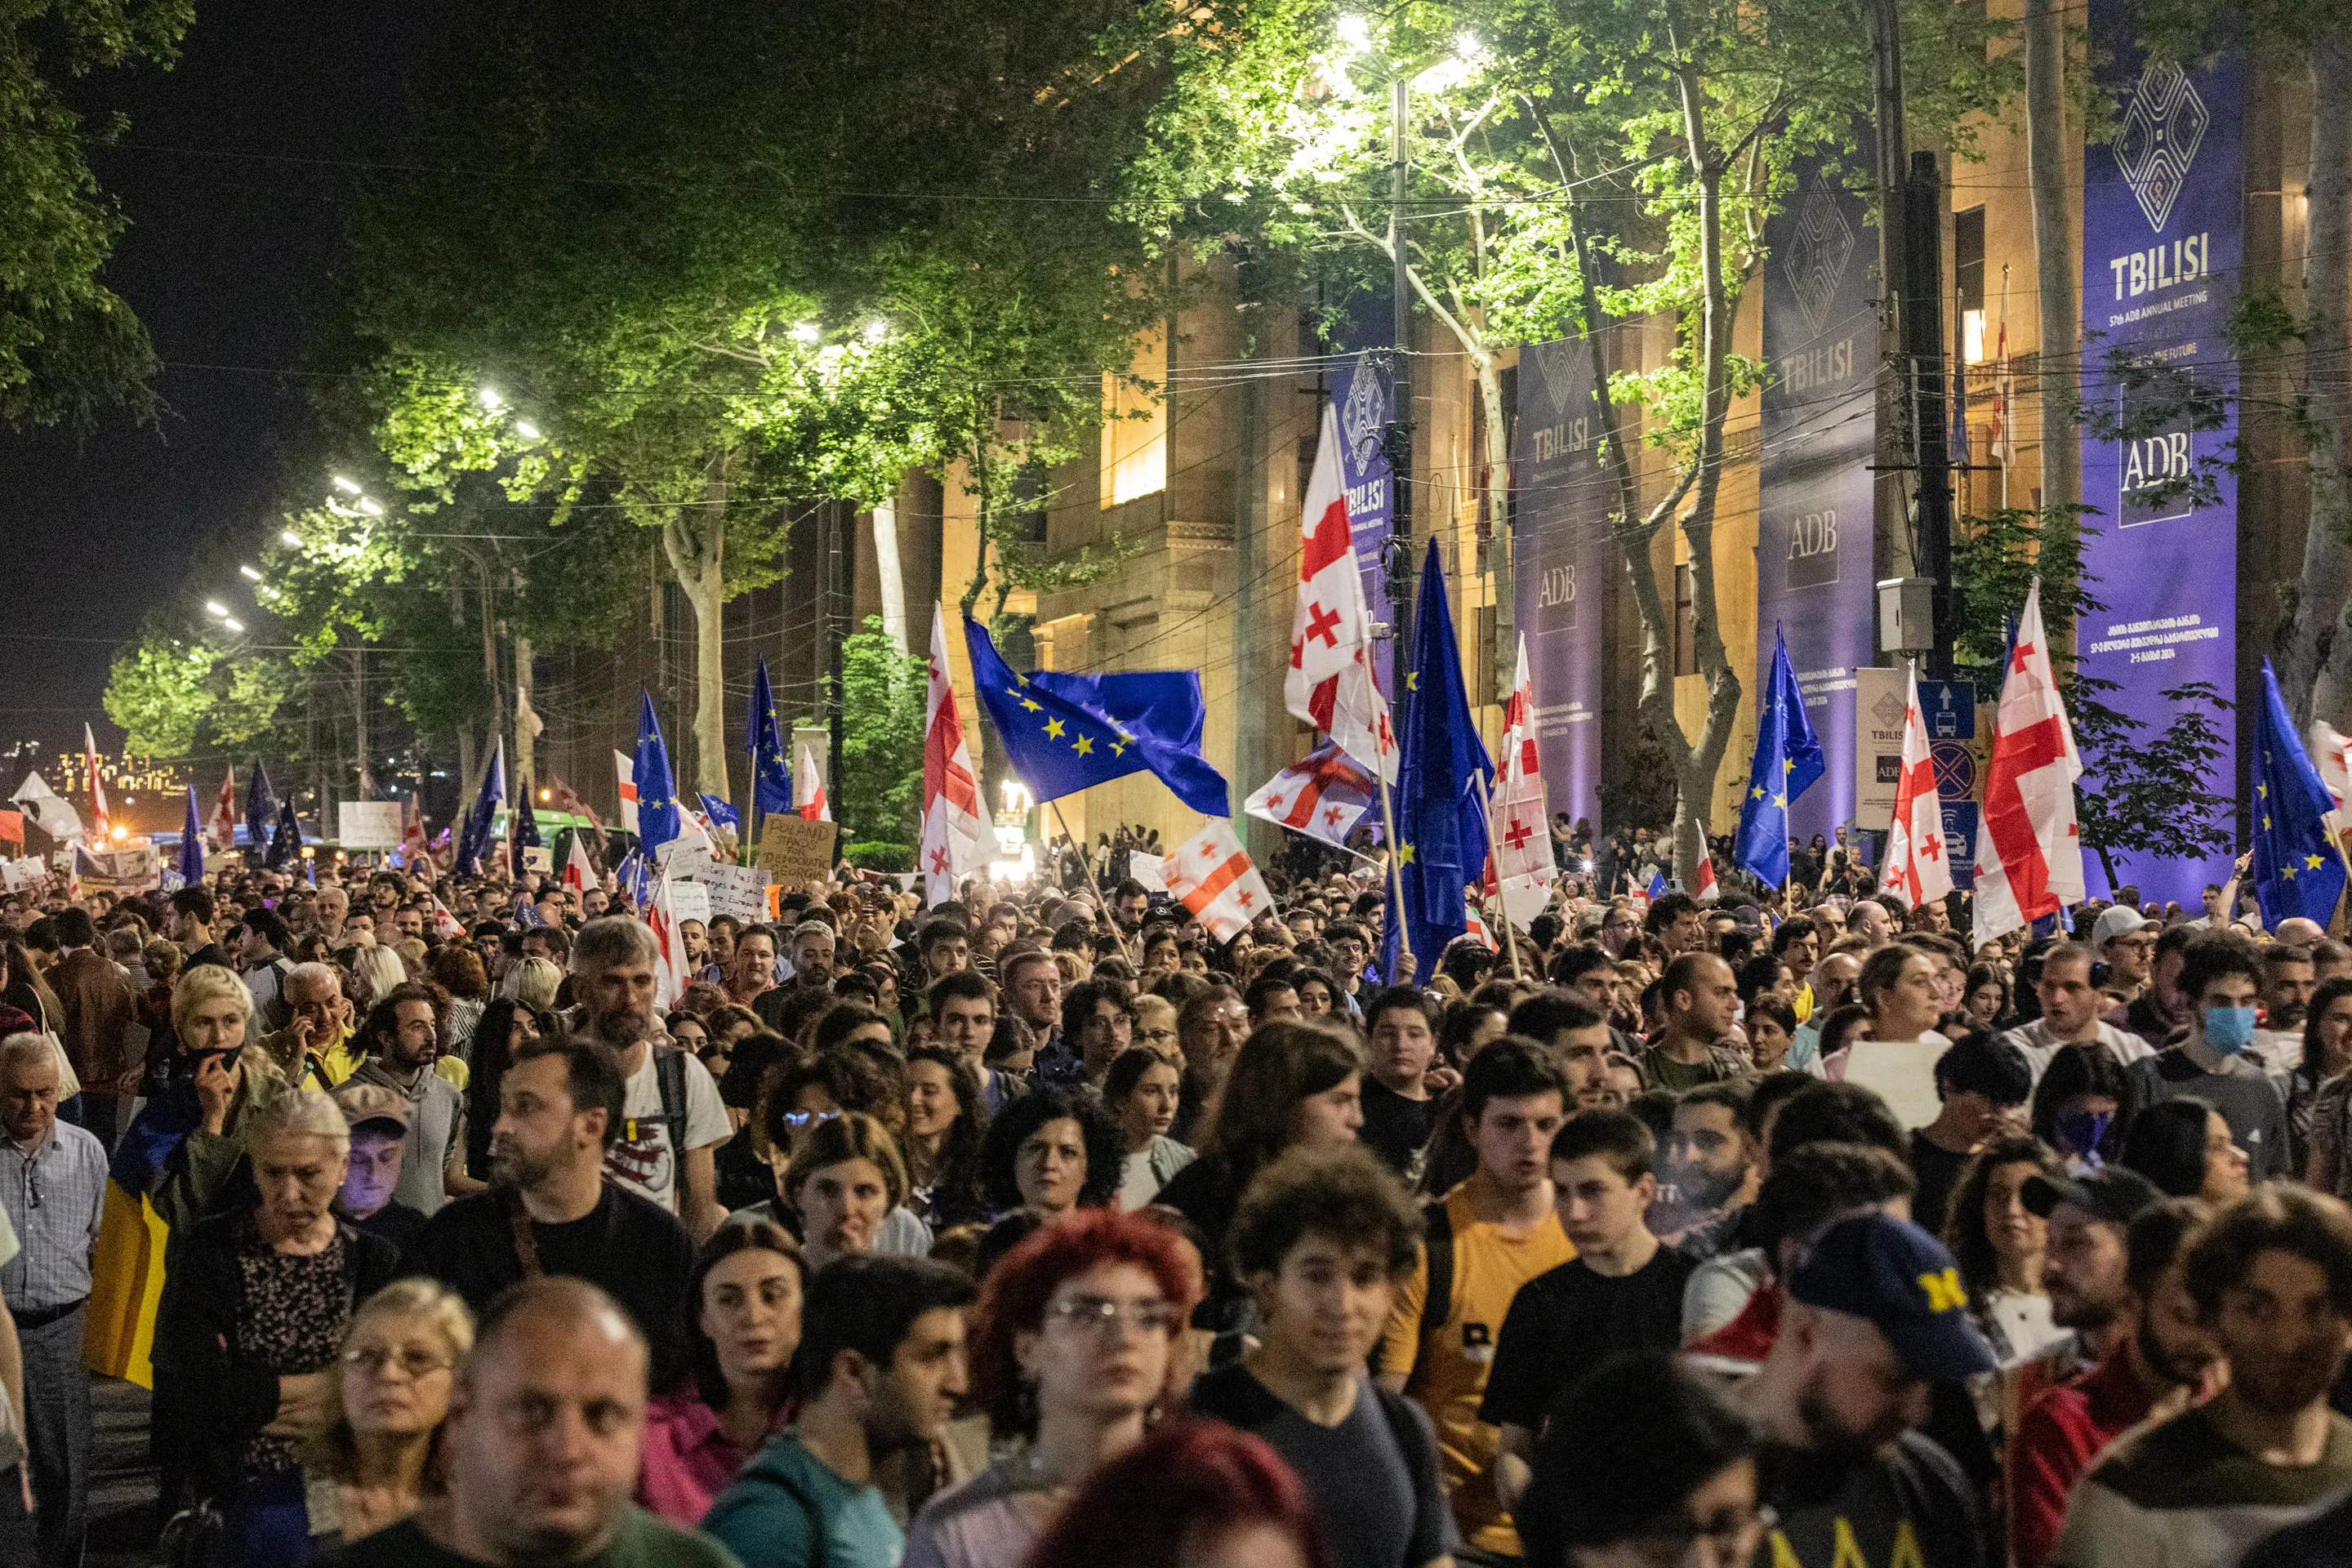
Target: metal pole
[1400, 431]
[1923, 353]
[1086, 864]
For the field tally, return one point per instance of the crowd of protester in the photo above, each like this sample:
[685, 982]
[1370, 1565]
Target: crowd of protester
[449, 1227]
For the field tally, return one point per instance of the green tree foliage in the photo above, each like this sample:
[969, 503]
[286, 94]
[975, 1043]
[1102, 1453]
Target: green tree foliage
[69, 344]
[2142, 796]
[884, 693]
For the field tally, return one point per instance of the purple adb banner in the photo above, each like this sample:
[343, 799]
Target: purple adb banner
[2163, 238]
[1361, 390]
[1561, 557]
[1815, 499]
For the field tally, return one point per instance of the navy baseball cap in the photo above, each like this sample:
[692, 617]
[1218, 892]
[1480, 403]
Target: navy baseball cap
[1901, 1279]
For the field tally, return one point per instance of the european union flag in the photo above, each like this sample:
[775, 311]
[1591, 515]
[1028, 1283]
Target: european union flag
[1443, 776]
[1788, 763]
[285, 838]
[192, 846]
[260, 810]
[2296, 869]
[657, 819]
[473, 838]
[1657, 887]
[526, 823]
[771, 779]
[1064, 733]
[721, 813]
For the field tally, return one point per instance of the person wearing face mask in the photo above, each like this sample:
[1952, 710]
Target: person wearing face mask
[2222, 976]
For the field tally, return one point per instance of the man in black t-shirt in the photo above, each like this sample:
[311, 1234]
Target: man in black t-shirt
[1400, 1112]
[1980, 1080]
[559, 1106]
[1322, 1237]
[1621, 1291]
[1874, 1312]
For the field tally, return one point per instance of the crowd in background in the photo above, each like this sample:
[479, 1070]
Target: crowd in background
[451, 1224]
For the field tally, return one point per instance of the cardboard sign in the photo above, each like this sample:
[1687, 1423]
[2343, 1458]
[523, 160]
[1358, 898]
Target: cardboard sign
[368, 824]
[538, 858]
[795, 849]
[690, 901]
[739, 891]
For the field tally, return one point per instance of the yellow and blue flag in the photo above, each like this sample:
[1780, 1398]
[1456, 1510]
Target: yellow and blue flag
[1788, 763]
[1064, 733]
[2296, 870]
[1444, 777]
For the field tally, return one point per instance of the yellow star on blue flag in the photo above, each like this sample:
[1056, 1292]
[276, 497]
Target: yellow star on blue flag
[1786, 762]
[2296, 870]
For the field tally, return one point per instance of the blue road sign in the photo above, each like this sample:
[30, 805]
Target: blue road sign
[1949, 707]
[1961, 842]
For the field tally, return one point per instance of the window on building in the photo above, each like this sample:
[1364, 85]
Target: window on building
[1135, 425]
[1969, 281]
[1686, 625]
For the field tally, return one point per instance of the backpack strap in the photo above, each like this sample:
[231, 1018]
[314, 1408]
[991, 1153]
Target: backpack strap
[1437, 1303]
[1411, 1441]
[669, 1077]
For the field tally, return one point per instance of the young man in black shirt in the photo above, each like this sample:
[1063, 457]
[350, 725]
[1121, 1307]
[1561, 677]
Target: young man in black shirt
[1980, 1081]
[550, 1209]
[1400, 1113]
[1322, 1237]
[1874, 1312]
[1621, 1291]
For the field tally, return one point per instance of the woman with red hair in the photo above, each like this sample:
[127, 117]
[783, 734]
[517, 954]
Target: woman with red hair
[1195, 1494]
[1074, 1353]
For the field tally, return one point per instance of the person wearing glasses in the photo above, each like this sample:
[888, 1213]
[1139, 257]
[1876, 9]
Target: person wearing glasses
[390, 1395]
[1074, 1351]
[1677, 1489]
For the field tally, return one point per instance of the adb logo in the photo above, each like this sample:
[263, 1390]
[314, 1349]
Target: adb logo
[1816, 256]
[1945, 1292]
[2162, 127]
[1364, 411]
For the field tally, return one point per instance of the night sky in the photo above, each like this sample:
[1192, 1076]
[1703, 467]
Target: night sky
[235, 175]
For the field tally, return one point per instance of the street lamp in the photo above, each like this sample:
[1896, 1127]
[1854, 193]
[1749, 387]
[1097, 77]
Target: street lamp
[807, 332]
[491, 398]
[288, 538]
[349, 487]
[371, 506]
[249, 573]
[526, 429]
[232, 623]
[215, 608]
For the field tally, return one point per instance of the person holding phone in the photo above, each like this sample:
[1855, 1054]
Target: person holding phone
[211, 1089]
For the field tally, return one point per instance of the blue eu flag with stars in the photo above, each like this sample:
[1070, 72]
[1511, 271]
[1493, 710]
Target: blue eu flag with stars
[1443, 776]
[1788, 762]
[1064, 733]
[657, 817]
[2296, 870]
[771, 779]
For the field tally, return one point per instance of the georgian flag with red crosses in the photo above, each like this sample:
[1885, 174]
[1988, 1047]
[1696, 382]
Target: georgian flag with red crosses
[1323, 796]
[1520, 868]
[1209, 874]
[2029, 851]
[1918, 872]
[1330, 682]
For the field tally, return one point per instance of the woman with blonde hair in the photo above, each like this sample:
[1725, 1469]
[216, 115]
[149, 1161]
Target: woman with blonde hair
[536, 982]
[193, 1128]
[379, 1454]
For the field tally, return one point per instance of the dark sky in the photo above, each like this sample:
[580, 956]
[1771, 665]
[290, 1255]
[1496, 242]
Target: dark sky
[234, 174]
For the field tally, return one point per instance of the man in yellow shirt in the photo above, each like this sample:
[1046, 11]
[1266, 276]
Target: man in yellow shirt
[1491, 1234]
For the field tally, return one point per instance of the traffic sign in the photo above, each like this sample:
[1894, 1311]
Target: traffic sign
[1956, 769]
[1961, 842]
[1948, 709]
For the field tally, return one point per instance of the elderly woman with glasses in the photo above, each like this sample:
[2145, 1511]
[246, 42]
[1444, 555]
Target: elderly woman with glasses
[379, 1456]
[1075, 1354]
[251, 1321]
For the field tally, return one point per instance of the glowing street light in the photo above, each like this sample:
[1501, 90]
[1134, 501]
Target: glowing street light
[249, 573]
[807, 332]
[232, 623]
[371, 506]
[491, 398]
[526, 429]
[288, 538]
[215, 608]
[349, 487]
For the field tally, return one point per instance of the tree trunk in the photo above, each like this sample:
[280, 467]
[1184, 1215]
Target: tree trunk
[2316, 676]
[527, 721]
[1499, 502]
[694, 539]
[2058, 312]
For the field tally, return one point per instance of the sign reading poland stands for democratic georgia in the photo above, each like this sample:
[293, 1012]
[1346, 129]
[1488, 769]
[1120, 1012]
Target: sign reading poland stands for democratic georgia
[1560, 550]
[2163, 237]
[1815, 499]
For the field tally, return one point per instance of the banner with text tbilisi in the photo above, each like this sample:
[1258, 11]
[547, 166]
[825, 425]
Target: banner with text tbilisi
[1561, 557]
[1815, 499]
[2163, 236]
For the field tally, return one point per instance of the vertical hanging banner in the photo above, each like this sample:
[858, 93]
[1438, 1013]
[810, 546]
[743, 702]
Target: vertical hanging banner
[2163, 240]
[1362, 392]
[1815, 492]
[1560, 554]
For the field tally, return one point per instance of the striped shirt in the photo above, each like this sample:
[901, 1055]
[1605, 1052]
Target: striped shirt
[2180, 1495]
[54, 1196]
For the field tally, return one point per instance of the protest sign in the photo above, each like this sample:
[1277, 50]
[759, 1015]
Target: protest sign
[795, 849]
[368, 824]
[739, 891]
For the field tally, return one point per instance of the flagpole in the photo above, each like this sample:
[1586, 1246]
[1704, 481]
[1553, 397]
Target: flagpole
[1086, 865]
[1510, 934]
[1396, 872]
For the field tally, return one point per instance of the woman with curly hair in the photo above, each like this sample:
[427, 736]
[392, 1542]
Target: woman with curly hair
[1053, 1151]
[945, 1124]
[1076, 1351]
[1998, 1243]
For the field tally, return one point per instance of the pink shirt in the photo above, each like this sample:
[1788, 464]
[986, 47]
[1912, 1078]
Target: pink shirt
[688, 1460]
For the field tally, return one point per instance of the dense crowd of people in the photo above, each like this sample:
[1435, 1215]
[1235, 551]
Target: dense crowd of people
[450, 1224]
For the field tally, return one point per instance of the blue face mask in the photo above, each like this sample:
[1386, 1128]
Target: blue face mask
[2080, 1132]
[2228, 1030]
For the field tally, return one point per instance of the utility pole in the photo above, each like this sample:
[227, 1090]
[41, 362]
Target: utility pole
[1400, 431]
[1925, 383]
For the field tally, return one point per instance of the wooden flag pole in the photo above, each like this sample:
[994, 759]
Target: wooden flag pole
[1086, 865]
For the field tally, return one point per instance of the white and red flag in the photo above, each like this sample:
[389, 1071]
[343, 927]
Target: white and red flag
[97, 786]
[579, 871]
[671, 975]
[2030, 852]
[1917, 869]
[2332, 754]
[1330, 683]
[414, 848]
[625, 771]
[953, 829]
[445, 924]
[220, 832]
[1209, 874]
[1324, 795]
[1521, 867]
[808, 786]
[1703, 884]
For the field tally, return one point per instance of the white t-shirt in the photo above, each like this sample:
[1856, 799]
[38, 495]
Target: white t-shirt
[645, 1163]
